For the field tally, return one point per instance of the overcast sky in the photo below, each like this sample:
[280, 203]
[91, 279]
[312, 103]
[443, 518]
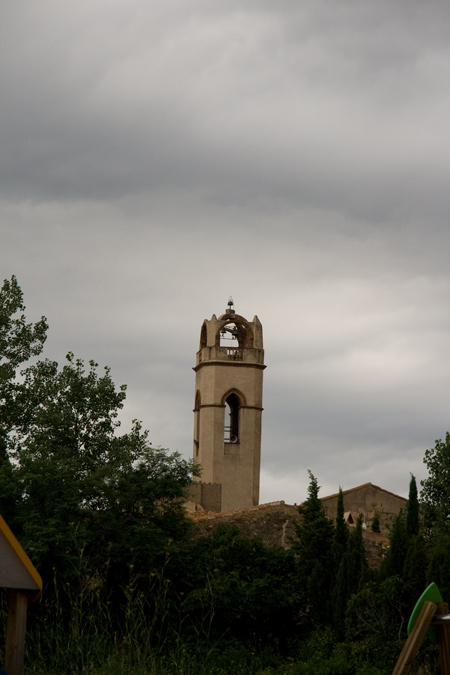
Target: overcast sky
[158, 157]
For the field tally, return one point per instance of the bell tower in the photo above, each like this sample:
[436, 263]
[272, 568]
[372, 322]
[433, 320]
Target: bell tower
[228, 406]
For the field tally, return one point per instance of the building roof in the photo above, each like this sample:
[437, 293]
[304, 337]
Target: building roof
[362, 487]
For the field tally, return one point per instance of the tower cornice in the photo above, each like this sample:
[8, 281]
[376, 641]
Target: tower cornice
[229, 364]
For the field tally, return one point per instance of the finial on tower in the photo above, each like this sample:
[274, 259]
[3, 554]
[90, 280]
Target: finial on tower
[230, 305]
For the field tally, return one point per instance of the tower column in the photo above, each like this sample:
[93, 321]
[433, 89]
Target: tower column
[228, 406]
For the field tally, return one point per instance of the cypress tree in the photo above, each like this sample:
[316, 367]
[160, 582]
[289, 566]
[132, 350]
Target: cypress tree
[314, 548]
[356, 554]
[396, 556]
[340, 531]
[340, 587]
[412, 512]
[352, 568]
[340, 597]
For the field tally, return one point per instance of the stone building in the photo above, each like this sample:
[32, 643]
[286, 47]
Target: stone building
[367, 500]
[227, 411]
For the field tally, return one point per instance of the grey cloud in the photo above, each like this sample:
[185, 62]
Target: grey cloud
[159, 157]
[210, 102]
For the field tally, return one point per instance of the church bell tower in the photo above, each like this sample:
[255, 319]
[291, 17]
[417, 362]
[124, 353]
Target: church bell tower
[228, 406]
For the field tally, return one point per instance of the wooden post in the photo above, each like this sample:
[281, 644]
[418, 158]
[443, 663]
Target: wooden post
[415, 639]
[443, 633]
[15, 631]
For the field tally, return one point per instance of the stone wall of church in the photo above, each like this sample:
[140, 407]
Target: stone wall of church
[367, 499]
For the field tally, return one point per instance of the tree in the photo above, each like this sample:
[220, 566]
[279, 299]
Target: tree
[376, 619]
[415, 569]
[315, 531]
[341, 530]
[407, 556]
[351, 570]
[314, 546]
[375, 526]
[412, 510]
[85, 502]
[439, 569]
[398, 546]
[19, 341]
[235, 586]
[435, 494]
[356, 554]
[90, 502]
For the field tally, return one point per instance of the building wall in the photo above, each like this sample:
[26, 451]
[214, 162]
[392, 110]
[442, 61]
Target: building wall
[275, 524]
[204, 496]
[368, 499]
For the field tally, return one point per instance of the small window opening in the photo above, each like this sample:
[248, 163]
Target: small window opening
[231, 432]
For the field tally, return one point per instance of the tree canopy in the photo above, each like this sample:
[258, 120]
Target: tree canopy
[435, 494]
[77, 493]
[19, 341]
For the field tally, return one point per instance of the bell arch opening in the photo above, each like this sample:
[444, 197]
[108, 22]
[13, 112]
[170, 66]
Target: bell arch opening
[203, 336]
[235, 335]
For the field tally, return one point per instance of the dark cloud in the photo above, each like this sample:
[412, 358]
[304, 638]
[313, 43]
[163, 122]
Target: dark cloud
[159, 156]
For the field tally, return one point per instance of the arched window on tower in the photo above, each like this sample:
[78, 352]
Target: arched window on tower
[197, 422]
[231, 430]
[203, 337]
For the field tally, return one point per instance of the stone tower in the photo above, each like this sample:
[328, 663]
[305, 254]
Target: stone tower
[228, 406]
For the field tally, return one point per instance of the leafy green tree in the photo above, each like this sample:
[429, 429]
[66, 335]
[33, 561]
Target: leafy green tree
[435, 493]
[87, 496]
[234, 586]
[439, 568]
[94, 509]
[375, 622]
[19, 341]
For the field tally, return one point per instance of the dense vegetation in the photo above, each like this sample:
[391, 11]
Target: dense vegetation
[128, 589]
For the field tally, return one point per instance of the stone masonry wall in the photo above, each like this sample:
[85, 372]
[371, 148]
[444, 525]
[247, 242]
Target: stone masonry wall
[274, 523]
